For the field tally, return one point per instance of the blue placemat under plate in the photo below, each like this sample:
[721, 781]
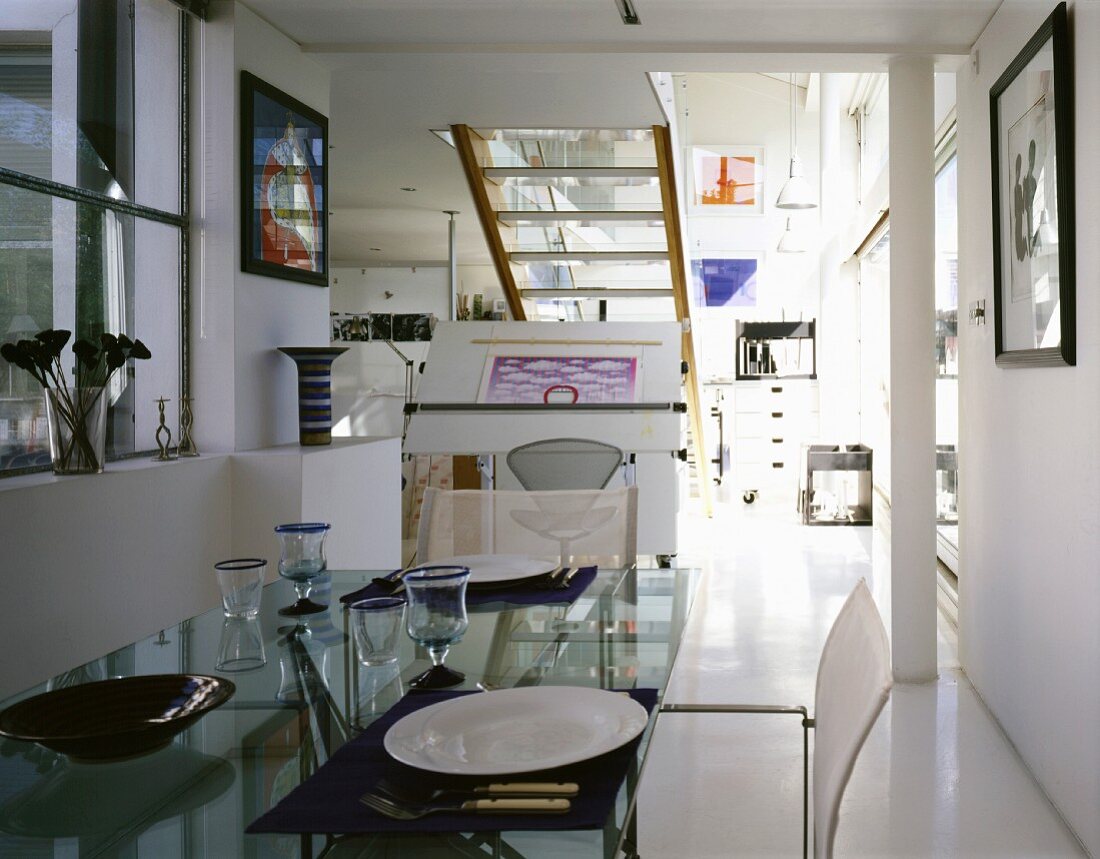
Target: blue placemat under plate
[513, 594]
[328, 801]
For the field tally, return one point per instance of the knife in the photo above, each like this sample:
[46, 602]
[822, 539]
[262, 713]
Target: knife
[515, 806]
[528, 788]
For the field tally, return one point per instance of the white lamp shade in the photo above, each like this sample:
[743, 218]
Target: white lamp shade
[22, 324]
[796, 193]
[790, 242]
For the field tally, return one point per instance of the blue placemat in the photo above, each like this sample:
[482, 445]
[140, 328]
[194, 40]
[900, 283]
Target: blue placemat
[512, 594]
[328, 802]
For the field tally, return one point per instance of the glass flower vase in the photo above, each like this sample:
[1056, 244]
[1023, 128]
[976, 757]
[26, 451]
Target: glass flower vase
[78, 429]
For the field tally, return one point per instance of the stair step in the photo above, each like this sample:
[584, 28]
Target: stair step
[498, 174]
[594, 292]
[552, 218]
[588, 256]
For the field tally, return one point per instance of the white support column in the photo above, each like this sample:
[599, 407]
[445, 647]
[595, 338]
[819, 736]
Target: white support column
[912, 370]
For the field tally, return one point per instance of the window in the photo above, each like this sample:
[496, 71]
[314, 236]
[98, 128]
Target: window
[92, 219]
[947, 347]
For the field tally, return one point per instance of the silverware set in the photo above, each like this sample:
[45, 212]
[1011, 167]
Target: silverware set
[558, 580]
[400, 803]
[394, 582]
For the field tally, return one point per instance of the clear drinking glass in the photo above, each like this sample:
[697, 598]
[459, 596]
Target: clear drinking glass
[241, 647]
[302, 559]
[375, 623]
[377, 689]
[242, 583]
[437, 619]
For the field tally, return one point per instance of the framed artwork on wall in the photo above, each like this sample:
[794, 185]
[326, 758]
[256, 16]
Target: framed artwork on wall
[1031, 126]
[727, 180]
[725, 280]
[284, 183]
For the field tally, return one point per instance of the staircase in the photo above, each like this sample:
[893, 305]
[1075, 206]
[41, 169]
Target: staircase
[583, 224]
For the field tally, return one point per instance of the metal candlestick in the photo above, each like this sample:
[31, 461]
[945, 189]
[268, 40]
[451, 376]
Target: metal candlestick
[162, 456]
[186, 446]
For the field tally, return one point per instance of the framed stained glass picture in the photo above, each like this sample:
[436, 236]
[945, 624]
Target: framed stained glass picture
[284, 182]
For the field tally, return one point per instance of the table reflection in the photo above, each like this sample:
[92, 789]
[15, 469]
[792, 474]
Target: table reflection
[308, 697]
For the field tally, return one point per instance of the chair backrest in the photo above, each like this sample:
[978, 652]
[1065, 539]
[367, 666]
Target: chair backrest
[588, 525]
[853, 684]
[564, 463]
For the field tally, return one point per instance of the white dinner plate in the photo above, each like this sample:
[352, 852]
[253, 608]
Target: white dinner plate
[515, 730]
[494, 569]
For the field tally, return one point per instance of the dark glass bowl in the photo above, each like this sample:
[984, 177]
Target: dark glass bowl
[115, 719]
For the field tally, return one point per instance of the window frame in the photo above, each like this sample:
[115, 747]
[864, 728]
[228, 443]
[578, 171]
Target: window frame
[181, 220]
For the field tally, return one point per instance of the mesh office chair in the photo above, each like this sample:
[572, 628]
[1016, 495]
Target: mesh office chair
[853, 684]
[564, 463]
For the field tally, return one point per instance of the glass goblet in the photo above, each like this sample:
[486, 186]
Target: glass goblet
[301, 560]
[436, 619]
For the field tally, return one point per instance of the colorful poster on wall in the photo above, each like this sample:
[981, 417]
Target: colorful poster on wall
[557, 379]
[728, 179]
[284, 178]
[725, 282]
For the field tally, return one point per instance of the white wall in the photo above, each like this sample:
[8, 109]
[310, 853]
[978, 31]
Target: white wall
[368, 381]
[93, 563]
[269, 312]
[1029, 476]
[423, 289]
[245, 392]
[750, 110]
[838, 320]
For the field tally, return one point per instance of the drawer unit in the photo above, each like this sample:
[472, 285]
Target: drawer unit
[772, 419]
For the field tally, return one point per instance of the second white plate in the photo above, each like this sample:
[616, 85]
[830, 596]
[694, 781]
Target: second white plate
[493, 569]
[515, 730]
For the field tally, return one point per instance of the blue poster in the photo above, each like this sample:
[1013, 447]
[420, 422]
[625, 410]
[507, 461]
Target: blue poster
[725, 282]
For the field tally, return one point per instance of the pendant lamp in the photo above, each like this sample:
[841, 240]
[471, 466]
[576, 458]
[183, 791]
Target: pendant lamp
[796, 193]
[790, 242]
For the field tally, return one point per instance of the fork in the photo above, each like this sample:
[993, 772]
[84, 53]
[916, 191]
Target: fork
[413, 811]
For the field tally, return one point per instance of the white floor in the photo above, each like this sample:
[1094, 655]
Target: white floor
[936, 777]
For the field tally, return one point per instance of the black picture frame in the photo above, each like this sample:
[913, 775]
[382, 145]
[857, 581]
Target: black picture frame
[266, 112]
[1026, 242]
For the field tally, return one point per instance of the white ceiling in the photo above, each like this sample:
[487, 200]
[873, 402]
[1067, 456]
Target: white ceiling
[943, 25]
[403, 67]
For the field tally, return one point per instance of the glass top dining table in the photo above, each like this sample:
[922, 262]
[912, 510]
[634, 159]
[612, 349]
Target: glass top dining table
[310, 696]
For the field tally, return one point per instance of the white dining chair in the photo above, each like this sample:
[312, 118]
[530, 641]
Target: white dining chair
[853, 684]
[578, 526]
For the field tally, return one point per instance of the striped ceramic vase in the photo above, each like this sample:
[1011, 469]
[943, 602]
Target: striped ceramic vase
[314, 390]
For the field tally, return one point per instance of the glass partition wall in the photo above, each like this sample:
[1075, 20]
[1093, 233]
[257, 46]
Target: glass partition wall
[93, 220]
[947, 356]
[874, 322]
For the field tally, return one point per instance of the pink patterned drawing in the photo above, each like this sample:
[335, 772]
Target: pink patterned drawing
[542, 379]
